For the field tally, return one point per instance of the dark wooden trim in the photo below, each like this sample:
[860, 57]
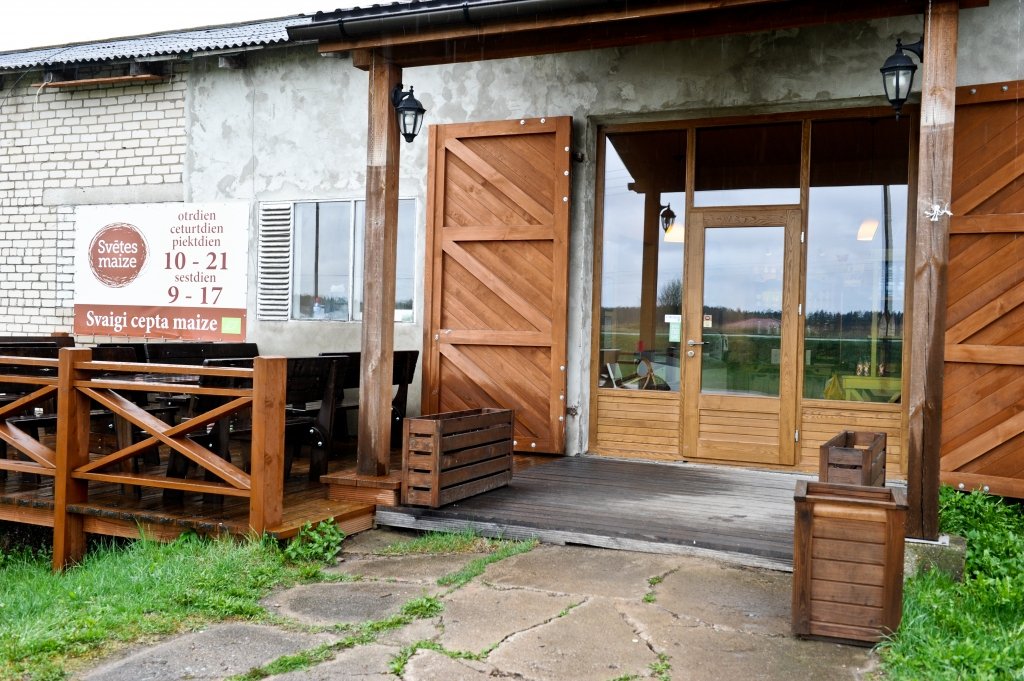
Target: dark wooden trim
[633, 25]
[931, 257]
[989, 92]
[379, 257]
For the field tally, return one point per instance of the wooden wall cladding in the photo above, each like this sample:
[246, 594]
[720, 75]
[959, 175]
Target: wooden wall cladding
[822, 420]
[983, 393]
[638, 423]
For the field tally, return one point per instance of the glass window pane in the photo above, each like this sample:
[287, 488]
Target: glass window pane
[742, 325]
[304, 261]
[405, 263]
[748, 165]
[320, 260]
[856, 258]
[642, 270]
[334, 285]
[405, 267]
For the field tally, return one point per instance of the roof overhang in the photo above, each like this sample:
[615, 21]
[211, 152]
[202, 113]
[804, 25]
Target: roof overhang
[445, 31]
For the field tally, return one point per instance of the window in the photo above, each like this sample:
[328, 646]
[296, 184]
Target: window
[641, 284]
[321, 244]
[856, 255]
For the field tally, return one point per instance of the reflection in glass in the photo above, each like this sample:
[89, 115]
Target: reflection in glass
[742, 324]
[748, 165]
[321, 286]
[405, 262]
[642, 273]
[853, 339]
[856, 255]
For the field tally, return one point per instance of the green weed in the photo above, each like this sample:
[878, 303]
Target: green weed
[503, 549]
[319, 544]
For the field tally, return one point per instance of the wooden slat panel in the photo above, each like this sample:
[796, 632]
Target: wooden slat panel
[983, 417]
[821, 420]
[497, 274]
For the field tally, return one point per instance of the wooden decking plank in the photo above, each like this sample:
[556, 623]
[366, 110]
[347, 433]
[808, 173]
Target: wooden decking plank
[597, 499]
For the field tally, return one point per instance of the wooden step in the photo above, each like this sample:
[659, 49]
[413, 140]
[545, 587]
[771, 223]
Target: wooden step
[351, 517]
[367, 489]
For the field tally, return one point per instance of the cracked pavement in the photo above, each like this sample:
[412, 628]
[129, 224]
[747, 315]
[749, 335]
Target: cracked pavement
[556, 613]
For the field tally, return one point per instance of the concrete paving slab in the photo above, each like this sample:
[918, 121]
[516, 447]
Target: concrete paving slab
[579, 570]
[214, 653]
[417, 630]
[371, 542]
[342, 603]
[477, 617]
[747, 599]
[593, 642]
[364, 663]
[704, 653]
[419, 569]
[430, 665]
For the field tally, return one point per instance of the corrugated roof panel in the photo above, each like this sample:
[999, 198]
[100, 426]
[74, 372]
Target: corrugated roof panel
[179, 42]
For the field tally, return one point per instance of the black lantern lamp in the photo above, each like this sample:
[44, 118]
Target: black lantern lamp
[898, 73]
[410, 112]
[673, 232]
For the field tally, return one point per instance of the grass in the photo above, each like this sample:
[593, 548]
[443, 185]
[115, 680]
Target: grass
[971, 629]
[465, 541]
[126, 593]
[51, 624]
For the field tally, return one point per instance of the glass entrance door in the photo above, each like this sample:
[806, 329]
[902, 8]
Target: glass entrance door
[741, 345]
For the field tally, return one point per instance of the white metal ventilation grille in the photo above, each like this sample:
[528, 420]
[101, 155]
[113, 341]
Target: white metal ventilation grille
[275, 262]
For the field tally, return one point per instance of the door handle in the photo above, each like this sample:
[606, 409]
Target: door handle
[692, 343]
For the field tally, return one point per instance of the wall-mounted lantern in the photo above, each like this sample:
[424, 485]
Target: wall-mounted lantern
[673, 232]
[410, 112]
[898, 73]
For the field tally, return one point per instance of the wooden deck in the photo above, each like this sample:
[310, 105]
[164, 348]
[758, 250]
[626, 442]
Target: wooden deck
[739, 515]
[119, 511]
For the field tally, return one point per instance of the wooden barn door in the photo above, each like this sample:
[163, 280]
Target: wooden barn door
[496, 273]
[983, 389]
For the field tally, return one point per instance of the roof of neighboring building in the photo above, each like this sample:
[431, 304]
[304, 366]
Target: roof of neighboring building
[166, 43]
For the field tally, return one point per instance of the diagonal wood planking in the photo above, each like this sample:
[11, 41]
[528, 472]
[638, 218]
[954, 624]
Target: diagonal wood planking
[983, 395]
[497, 273]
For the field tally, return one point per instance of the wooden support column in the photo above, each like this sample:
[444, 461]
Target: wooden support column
[72, 452]
[931, 257]
[379, 244]
[266, 472]
[649, 268]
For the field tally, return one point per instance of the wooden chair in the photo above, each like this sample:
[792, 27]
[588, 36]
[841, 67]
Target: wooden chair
[309, 380]
[403, 371]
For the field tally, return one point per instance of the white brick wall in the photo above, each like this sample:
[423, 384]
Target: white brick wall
[77, 138]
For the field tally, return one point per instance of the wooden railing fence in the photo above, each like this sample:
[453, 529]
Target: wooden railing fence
[80, 384]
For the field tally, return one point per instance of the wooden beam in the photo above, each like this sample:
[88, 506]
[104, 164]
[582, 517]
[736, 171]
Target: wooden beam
[931, 258]
[649, 267]
[379, 254]
[633, 25]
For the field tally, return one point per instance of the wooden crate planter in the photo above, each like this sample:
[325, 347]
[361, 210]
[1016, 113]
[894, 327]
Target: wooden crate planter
[853, 458]
[848, 561]
[451, 456]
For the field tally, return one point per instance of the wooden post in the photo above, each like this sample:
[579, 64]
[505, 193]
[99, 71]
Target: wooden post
[72, 452]
[931, 257]
[379, 244]
[266, 473]
[649, 269]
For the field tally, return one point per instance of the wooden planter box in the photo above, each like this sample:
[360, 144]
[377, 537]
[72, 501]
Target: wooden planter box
[853, 458]
[848, 561]
[451, 456]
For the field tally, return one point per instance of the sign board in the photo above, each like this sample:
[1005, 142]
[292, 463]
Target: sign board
[707, 321]
[162, 270]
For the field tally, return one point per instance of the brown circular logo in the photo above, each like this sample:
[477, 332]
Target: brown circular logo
[117, 254]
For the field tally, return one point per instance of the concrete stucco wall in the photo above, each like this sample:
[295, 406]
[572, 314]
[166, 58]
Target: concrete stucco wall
[291, 126]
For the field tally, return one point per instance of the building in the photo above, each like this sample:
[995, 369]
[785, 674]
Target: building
[840, 268]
